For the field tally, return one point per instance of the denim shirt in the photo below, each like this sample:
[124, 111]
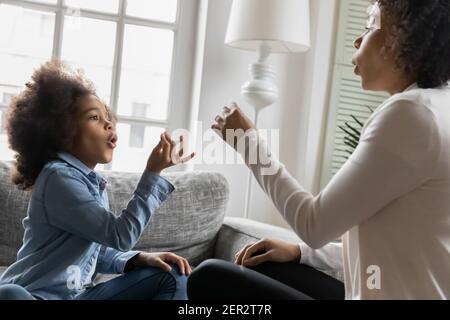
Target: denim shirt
[70, 234]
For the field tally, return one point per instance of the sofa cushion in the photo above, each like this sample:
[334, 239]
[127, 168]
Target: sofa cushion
[187, 223]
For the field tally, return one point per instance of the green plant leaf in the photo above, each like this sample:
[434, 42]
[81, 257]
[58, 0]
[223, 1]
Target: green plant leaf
[355, 137]
[350, 142]
[353, 134]
[357, 121]
[357, 133]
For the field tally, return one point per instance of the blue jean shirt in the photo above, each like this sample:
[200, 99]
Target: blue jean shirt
[70, 234]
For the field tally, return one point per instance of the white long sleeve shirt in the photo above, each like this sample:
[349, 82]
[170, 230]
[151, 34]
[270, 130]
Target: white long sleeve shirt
[390, 202]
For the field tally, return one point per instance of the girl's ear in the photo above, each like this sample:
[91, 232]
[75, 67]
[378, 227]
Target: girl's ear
[71, 142]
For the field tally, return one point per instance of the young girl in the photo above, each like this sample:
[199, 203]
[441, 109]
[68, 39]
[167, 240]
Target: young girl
[61, 130]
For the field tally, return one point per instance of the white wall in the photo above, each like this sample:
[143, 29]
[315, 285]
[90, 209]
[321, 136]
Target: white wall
[302, 81]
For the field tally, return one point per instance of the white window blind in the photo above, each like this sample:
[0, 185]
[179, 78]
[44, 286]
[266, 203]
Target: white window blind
[347, 97]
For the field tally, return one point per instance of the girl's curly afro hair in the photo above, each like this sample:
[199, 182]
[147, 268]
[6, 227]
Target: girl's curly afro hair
[40, 119]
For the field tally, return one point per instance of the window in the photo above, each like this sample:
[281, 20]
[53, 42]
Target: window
[137, 130]
[80, 47]
[153, 9]
[346, 98]
[110, 6]
[136, 52]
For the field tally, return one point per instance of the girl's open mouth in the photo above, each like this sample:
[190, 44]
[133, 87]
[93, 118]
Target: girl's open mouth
[112, 142]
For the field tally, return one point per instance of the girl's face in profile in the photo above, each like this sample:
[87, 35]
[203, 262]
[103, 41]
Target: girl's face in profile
[96, 135]
[374, 61]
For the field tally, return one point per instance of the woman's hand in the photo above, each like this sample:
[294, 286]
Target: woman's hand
[232, 118]
[159, 260]
[164, 155]
[268, 250]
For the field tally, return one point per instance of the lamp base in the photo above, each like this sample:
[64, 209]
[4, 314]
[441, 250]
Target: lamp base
[261, 91]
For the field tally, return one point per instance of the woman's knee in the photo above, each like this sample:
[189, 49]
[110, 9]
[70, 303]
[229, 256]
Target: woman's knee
[14, 292]
[210, 267]
[206, 274]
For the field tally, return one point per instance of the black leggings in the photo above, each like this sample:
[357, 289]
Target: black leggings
[222, 280]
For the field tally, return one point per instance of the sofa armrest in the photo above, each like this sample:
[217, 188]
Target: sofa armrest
[235, 233]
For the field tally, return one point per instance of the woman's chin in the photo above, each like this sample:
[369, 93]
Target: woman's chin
[370, 83]
[366, 85]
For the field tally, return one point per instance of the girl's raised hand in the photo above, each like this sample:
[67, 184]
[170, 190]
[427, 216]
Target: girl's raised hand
[164, 155]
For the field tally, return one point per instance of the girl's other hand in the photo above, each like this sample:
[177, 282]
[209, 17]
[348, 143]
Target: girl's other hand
[161, 260]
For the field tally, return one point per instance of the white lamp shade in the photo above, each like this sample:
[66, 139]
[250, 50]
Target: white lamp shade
[281, 24]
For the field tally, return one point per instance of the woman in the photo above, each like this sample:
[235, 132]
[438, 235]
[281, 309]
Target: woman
[390, 202]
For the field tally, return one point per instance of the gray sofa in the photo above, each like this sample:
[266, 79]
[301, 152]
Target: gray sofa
[191, 222]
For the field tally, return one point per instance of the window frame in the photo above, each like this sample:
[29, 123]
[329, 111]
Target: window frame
[183, 54]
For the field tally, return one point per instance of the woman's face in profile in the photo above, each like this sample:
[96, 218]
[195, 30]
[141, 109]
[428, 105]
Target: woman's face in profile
[374, 63]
